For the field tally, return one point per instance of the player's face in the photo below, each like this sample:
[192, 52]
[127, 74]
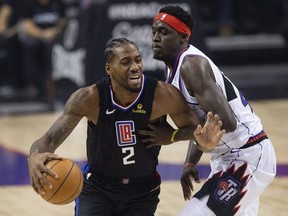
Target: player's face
[126, 67]
[166, 42]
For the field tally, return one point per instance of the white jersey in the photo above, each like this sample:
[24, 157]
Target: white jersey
[248, 124]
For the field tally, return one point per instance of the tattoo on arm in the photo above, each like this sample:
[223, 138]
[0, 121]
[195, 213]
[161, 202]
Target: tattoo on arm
[60, 129]
[76, 107]
[57, 133]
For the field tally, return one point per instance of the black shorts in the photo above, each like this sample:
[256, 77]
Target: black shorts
[103, 196]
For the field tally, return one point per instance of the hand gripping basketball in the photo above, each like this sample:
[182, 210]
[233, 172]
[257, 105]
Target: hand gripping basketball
[68, 185]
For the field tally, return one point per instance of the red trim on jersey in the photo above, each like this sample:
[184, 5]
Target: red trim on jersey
[255, 139]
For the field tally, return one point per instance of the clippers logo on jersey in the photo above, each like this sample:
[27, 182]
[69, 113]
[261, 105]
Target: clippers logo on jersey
[125, 133]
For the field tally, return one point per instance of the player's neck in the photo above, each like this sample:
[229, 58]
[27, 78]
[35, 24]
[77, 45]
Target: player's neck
[125, 99]
[172, 60]
[123, 96]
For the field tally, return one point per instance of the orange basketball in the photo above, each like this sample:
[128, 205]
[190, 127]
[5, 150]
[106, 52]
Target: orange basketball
[69, 184]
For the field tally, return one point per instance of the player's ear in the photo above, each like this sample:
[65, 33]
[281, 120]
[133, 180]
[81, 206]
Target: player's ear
[183, 38]
[108, 69]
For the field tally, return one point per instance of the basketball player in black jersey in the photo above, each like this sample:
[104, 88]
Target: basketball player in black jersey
[120, 176]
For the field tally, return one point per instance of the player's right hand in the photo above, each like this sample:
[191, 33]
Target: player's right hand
[189, 173]
[36, 165]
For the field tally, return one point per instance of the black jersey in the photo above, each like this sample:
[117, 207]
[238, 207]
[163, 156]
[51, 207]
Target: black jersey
[113, 145]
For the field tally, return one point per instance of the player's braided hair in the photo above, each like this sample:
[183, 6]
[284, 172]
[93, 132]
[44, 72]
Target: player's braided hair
[115, 43]
[179, 13]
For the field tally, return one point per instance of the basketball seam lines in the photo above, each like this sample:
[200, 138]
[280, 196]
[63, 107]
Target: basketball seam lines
[62, 182]
[77, 191]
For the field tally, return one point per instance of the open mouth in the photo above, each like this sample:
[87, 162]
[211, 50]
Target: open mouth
[135, 78]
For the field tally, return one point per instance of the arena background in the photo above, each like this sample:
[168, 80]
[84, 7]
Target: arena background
[254, 58]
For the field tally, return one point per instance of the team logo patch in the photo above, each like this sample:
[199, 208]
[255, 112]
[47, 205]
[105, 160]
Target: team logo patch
[225, 190]
[229, 188]
[125, 133]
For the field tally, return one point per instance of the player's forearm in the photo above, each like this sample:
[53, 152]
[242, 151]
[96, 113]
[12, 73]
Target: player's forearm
[43, 145]
[39, 146]
[53, 138]
[184, 134]
[57, 133]
[193, 154]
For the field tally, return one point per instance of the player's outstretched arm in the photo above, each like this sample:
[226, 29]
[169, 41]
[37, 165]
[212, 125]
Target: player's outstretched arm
[169, 100]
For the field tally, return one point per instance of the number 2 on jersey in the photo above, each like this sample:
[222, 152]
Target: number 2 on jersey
[126, 139]
[127, 159]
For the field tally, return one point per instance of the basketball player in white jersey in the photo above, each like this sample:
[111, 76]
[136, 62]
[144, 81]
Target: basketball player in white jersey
[243, 163]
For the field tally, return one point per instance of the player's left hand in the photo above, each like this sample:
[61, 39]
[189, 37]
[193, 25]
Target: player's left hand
[210, 134]
[189, 173]
[159, 133]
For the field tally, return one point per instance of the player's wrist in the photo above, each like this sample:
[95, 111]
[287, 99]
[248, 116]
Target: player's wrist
[172, 138]
[189, 164]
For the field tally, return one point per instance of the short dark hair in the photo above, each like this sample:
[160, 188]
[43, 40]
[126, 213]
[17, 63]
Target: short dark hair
[112, 45]
[179, 13]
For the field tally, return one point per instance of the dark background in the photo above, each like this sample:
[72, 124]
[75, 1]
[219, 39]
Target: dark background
[253, 54]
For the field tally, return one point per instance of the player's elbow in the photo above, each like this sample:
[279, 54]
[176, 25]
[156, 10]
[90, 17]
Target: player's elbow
[230, 125]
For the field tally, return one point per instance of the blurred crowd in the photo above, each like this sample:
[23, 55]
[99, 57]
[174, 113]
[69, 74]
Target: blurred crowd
[29, 27]
[27, 31]
[229, 17]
